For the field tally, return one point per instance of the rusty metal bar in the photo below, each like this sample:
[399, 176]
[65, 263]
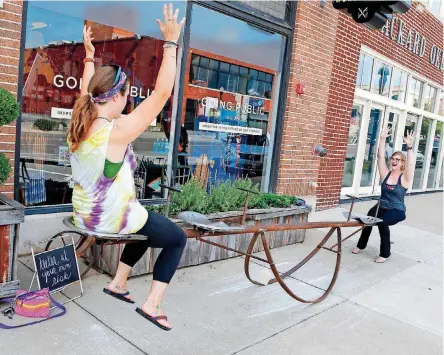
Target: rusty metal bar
[343, 240]
[231, 249]
[195, 233]
[308, 257]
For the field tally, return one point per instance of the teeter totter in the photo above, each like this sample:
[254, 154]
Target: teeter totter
[199, 227]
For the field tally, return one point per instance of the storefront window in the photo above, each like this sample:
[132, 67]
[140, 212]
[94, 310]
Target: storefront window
[399, 85]
[352, 146]
[421, 154]
[415, 93]
[392, 125]
[429, 98]
[53, 66]
[365, 68]
[441, 104]
[381, 78]
[436, 153]
[371, 146]
[230, 98]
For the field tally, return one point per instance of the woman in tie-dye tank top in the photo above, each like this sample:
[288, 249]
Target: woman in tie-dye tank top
[103, 164]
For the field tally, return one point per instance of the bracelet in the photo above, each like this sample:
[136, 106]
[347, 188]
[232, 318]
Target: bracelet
[408, 148]
[172, 43]
[88, 60]
[165, 46]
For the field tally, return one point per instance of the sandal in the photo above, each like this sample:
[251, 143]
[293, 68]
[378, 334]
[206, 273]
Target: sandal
[119, 296]
[152, 319]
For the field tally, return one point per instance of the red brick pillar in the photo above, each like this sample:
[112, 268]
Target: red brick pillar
[10, 36]
[312, 61]
[340, 102]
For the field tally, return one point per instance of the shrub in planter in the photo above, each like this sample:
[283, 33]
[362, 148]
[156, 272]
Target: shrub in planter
[9, 111]
[46, 125]
[223, 197]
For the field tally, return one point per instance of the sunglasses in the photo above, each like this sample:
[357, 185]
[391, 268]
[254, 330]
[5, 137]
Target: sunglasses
[397, 159]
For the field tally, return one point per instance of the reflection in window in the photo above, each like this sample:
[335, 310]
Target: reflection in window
[429, 98]
[53, 66]
[399, 85]
[421, 153]
[352, 146]
[230, 77]
[415, 93]
[229, 129]
[366, 72]
[381, 78]
[371, 146]
[436, 153]
[392, 125]
[441, 104]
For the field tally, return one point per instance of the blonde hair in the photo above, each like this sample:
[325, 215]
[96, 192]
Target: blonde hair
[403, 159]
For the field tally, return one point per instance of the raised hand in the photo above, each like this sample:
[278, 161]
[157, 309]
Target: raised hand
[408, 139]
[87, 41]
[386, 133]
[171, 28]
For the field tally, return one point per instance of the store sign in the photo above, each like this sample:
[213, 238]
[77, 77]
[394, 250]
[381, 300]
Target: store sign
[73, 83]
[213, 127]
[238, 107]
[413, 41]
[57, 112]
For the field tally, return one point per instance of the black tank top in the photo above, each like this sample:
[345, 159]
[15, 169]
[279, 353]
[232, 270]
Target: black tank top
[392, 196]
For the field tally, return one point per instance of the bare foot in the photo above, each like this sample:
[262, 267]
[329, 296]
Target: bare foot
[119, 289]
[356, 250]
[380, 260]
[155, 311]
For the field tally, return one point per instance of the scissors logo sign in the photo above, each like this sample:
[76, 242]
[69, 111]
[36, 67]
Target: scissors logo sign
[362, 13]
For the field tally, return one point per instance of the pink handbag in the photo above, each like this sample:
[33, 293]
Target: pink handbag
[35, 304]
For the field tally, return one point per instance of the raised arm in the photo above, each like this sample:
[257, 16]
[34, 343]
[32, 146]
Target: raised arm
[382, 165]
[128, 128]
[88, 70]
[409, 171]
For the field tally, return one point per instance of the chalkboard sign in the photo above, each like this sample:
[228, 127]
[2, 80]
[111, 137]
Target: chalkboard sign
[57, 268]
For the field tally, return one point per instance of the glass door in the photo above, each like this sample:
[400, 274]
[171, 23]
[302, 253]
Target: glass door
[369, 164]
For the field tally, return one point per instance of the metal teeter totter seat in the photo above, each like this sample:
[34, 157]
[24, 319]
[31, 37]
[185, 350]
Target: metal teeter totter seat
[86, 239]
[198, 226]
[203, 228]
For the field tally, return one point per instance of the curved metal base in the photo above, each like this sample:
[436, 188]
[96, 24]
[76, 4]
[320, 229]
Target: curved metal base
[280, 277]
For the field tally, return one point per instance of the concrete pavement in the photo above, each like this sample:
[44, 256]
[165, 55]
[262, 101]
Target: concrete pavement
[391, 308]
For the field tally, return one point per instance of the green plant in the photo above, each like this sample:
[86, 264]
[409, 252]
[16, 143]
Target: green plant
[192, 198]
[5, 169]
[223, 197]
[9, 111]
[9, 108]
[45, 125]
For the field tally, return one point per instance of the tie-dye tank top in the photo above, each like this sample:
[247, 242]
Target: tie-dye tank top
[101, 204]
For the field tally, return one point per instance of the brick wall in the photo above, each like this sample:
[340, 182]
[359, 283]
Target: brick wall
[349, 38]
[312, 61]
[10, 34]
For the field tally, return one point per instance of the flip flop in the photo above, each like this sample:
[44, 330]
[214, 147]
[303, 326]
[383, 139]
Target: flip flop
[153, 320]
[119, 296]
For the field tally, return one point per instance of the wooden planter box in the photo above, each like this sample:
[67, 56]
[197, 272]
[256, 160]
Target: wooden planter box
[199, 253]
[12, 214]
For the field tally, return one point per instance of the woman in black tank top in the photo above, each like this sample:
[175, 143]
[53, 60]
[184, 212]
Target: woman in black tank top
[393, 189]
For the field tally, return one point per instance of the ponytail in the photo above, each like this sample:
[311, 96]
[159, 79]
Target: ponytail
[83, 115]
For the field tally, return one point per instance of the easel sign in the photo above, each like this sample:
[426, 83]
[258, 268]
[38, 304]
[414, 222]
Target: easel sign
[57, 269]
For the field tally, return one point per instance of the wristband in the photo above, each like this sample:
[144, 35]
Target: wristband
[172, 43]
[408, 148]
[87, 60]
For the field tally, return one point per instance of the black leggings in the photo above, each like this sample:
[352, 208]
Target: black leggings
[389, 218]
[161, 233]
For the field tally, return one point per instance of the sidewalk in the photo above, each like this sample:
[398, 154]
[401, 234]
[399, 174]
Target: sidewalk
[391, 308]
